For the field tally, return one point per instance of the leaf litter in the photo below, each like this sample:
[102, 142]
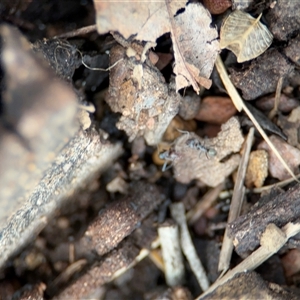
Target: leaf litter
[245, 36]
[193, 65]
[148, 102]
[192, 163]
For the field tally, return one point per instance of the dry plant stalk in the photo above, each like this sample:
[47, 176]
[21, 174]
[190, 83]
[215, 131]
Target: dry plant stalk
[236, 204]
[177, 212]
[171, 253]
[204, 203]
[240, 105]
[271, 241]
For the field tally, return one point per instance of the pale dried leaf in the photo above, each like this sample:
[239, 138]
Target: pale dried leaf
[245, 36]
[194, 40]
[148, 20]
[212, 171]
[195, 47]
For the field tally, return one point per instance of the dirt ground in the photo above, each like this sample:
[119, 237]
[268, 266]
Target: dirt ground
[148, 148]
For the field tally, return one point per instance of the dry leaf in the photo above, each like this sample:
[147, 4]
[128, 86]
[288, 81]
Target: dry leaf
[195, 47]
[194, 164]
[245, 36]
[194, 40]
[148, 20]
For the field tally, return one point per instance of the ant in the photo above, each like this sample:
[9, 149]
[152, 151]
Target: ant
[194, 143]
[168, 156]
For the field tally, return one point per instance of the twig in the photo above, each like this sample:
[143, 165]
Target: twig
[171, 252]
[236, 204]
[76, 32]
[177, 212]
[274, 111]
[271, 242]
[240, 105]
[268, 187]
[207, 200]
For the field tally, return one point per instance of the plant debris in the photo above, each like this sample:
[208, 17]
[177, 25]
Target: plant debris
[110, 137]
[245, 36]
[193, 66]
[194, 164]
[277, 207]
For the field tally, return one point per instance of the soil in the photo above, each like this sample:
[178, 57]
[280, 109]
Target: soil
[103, 134]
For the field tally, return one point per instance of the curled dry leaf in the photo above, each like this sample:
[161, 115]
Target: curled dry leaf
[194, 40]
[211, 168]
[289, 153]
[139, 91]
[245, 36]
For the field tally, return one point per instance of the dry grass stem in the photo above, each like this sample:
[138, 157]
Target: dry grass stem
[272, 240]
[239, 104]
[204, 203]
[178, 214]
[172, 255]
[274, 111]
[236, 203]
[278, 184]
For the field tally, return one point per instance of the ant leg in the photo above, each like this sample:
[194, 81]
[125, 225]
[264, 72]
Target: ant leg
[183, 131]
[166, 166]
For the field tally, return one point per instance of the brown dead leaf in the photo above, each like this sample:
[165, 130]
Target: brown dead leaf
[139, 91]
[193, 164]
[245, 36]
[289, 153]
[194, 40]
